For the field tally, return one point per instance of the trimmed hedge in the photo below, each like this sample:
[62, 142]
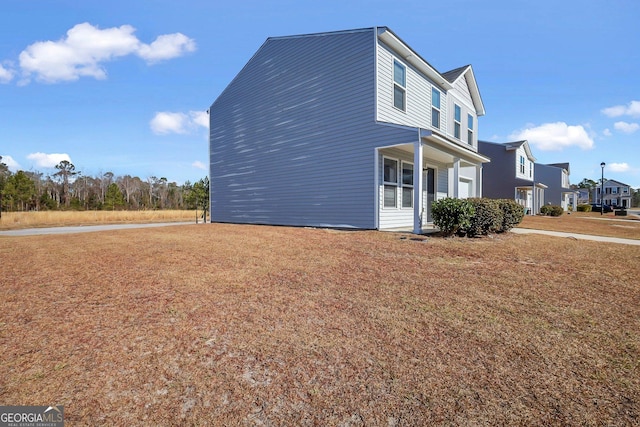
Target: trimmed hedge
[452, 215]
[551, 210]
[583, 208]
[476, 216]
[487, 219]
[512, 213]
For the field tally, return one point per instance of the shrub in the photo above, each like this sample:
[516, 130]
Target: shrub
[584, 208]
[551, 210]
[487, 218]
[452, 215]
[512, 213]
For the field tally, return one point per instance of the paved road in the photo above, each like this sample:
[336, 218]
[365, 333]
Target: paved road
[84, 229]
[577, 236]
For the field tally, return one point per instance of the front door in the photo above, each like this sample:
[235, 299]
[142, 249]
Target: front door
[429, 185]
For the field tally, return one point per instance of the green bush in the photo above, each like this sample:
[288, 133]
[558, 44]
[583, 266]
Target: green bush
[452, 215]
[487, 219]
[512, 213]
[584, 208]
[551, 210]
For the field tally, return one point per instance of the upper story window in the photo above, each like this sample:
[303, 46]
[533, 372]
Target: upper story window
[470, 129]
[399, 86]
[530, 169]
[522, 165]
[457, 117]
[615, 190]
[435, 108]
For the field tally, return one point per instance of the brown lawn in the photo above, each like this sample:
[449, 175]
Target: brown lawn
[627, 227]
[254, 325]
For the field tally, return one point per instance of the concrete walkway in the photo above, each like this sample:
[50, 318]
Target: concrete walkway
[84, 228]
[577, 236]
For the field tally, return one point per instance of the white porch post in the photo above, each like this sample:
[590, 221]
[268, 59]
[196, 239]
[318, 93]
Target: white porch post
[456, 177]
[417, 187]
[479, 181]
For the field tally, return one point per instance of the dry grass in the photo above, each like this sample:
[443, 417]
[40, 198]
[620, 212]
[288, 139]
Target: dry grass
[18, 220]
[587, 223]
[247, 325]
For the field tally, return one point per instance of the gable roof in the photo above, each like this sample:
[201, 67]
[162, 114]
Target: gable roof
[564, 166]
[607, 181]
[445, 81]
[512, 146]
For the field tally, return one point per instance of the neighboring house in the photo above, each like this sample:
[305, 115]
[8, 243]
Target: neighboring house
[348, 129]
[556, 177]
[583, 196]
[511, 174]
[615, 194]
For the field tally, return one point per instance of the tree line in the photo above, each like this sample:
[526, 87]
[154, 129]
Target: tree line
[70, 189]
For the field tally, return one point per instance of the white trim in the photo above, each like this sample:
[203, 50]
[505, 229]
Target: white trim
[457, 122]
[390, 183]
[394, 83]
[403, 186]
[438, 109]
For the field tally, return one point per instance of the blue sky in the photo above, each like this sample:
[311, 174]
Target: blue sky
[123, 87]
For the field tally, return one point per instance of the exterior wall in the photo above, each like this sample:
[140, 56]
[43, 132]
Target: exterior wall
[418, 111]
[551, 176]
[529, 173]
[461, 96]
[293, 136]
[398, 216]
[498, 177]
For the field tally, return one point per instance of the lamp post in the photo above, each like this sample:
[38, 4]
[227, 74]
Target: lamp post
[602, 189]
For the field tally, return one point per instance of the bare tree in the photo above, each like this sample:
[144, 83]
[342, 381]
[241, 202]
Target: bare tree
[66, 170]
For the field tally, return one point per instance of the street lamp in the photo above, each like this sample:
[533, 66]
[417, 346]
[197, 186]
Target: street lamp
[602, 189]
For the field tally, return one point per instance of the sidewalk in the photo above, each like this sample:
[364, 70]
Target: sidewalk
[577, 236]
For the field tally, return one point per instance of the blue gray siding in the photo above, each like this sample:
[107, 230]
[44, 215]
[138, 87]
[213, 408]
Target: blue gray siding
[293, 136]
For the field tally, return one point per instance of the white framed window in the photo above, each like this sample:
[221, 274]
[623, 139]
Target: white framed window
[407, 185]
[470, 129]
[390, 181]
[399, 86]
[530, 169]
[457, 117]
[435, 108]
[615, 190]
[522, 165]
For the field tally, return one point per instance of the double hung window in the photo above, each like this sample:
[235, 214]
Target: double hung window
[407, 185]
[522, 165]
[390, 183]
[399, 86]
[456, 120]
[470, 129]
[435, 108]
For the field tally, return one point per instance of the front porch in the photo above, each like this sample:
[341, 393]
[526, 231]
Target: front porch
[531, 197]
[411, 176]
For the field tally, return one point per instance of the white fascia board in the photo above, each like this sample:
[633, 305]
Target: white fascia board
[406, 53]
[453, 147]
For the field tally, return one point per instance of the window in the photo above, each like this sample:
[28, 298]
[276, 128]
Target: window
[407, 185]
[530, 169]
[435, 108]
[470, 129]
[456, 121]
[399, 86]
[522, 165]
[615, 190]
[390, 183]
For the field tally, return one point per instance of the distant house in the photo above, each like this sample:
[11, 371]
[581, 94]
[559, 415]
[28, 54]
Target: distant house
[556, 177]
[348, 129]
[615, 194]
[511, 174]
[583, 196]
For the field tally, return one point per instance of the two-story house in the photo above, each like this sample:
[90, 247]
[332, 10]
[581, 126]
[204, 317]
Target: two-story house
[616, 194]
[556, 177]
[348, 129]
[511, 174]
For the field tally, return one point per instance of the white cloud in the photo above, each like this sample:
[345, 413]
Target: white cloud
[166, 122]
[607, 132]
[44, 160]
[555, 136]
[85, 49]
[632, 109]
[199, 165]
[626, 127]
[11, 163]
[6, 74]
[618, 167]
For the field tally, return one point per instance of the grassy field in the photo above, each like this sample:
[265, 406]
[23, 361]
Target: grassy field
[588, 223]
[253, 325]
[16, 220]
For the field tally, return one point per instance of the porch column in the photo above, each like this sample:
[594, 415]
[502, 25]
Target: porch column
[456, 177]
[417, 187]
[478, 181]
